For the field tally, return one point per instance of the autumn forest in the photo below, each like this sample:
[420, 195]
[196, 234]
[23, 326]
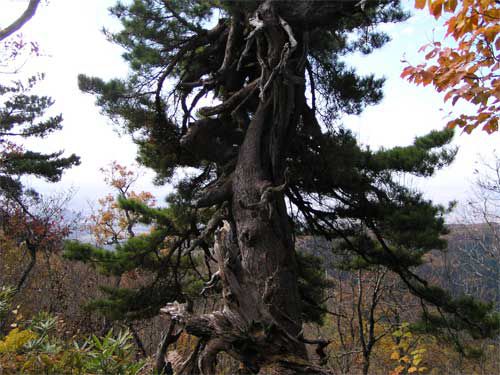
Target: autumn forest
[282, 244]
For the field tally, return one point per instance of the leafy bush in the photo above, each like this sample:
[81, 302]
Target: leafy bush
[407, 352]
[36, 349]
[110, 354]
[15, 340]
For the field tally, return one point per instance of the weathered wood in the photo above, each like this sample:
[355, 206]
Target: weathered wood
[260, 322]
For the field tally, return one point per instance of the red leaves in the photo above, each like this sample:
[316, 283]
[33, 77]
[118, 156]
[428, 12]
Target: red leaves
[44, 226]
[420, 4]
[466, 71]
[431, 54]
[436, 8]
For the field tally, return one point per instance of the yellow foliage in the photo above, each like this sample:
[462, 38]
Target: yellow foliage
[398, 370]
[109, 223]
[15, 340]
[107, 216]
[407, 351]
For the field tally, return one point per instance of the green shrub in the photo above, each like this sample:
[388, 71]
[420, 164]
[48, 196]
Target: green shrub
[36, 349]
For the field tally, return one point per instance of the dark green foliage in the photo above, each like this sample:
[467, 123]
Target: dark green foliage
[136, 251]
[22, 115]
[153, 40]
[341, 89]
[467, 313]
[312, 285]
[423, 158]
[457, 315]
[132, 304]
[338, 189]
[361, 186]
[156, 255]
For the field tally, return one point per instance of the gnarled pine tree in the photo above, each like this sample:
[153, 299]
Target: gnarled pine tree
[264, 143]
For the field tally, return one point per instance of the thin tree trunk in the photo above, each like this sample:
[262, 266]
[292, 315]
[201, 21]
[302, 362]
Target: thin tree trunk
[29, 267]
[366, 364]
[160, 362]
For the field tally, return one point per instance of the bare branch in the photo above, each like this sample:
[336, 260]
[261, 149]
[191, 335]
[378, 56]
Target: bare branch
[232, 102]
[210, 228]
[258, 25]
[231, 44]
[216, 195]
[17, 24]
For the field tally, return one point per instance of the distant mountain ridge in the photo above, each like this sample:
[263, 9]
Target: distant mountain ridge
[470, 265]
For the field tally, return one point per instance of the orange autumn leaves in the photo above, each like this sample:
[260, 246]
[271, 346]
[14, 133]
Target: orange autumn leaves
[109, 224]
[468, 70]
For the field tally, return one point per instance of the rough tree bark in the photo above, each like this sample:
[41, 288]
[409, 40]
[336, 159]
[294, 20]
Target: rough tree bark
[256, 61]
[260, 323]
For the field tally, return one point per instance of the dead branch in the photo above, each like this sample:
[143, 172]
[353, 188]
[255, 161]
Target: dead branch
[17, 24]
[214, 222]
[235, 32]
[208, 357]
[320, 347]
[168, 338]
[211, 283]
[217, 195]
[192, 43]
[230, 103]
[258, 25]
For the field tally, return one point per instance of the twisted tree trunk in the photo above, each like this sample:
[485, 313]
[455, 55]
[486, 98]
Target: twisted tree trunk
[260, 323]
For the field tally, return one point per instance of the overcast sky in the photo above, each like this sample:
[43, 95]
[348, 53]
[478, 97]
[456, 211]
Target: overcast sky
[68, 32]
